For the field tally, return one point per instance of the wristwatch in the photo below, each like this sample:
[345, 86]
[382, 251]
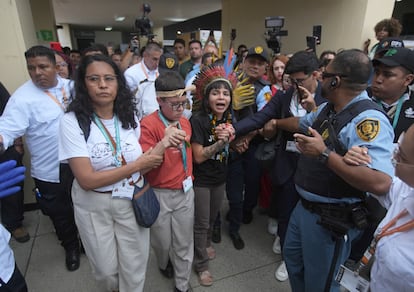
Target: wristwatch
[324, 156]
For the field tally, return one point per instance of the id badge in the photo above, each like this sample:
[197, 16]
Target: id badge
[291, 147]
[351, 280]
[123, 190]
[187, 184]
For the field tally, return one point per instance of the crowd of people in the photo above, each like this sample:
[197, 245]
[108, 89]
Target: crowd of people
[193, 124]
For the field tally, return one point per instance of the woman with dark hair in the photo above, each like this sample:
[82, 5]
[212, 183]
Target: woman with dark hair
[99, 138]
[209, 142]
[386, 28]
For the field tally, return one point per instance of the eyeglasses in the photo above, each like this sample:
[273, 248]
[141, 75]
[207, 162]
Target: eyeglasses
[329, 75]
[299, 80]
[396, 157]
[175, 106]
[61, 64]
[96, 79]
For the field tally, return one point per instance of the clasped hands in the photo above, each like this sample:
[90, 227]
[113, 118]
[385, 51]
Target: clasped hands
[225, 133]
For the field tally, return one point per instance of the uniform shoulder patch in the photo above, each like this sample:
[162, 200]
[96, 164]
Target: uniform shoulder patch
[368, 129]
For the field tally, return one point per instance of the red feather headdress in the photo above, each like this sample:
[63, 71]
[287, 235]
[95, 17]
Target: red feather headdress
[210, 74]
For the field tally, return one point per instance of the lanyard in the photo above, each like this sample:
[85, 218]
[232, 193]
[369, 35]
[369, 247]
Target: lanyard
[397, 111]
[145, 71]
[115, 146]
[385, 231]
[183, 148]
[65, 99]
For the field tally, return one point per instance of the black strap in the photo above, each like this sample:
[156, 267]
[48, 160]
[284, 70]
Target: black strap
[338, 240]
[85, 125]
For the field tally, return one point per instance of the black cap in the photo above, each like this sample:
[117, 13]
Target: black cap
[397, 57]
[389, 43]
[258, 51]
[168, 62]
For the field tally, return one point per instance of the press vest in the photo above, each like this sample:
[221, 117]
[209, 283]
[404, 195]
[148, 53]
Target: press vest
[313, 175]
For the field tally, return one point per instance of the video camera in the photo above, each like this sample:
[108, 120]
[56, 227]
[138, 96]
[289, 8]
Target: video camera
[143, 25]
[274, 32]
[315, 39]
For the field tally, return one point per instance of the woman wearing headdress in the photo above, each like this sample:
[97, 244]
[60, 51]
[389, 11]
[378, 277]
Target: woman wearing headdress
[210, 143]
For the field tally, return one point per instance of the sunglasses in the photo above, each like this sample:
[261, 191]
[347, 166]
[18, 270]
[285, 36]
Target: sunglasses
[330, 75]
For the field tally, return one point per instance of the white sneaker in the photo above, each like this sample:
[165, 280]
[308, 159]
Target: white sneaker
[272, 226]
[281, 273]
[277, 249]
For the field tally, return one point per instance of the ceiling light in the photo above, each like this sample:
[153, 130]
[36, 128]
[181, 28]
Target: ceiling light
[108, 28]
[119, 18]
[179, 32]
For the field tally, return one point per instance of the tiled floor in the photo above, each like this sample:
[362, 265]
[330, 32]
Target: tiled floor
[250, 269]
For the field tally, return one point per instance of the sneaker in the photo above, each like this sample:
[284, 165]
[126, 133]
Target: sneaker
[216, 234]
[281, 273]
[211, 252]
[237, 240]
[277, 249]
[205, 278]
[272, 226]
[20, 234]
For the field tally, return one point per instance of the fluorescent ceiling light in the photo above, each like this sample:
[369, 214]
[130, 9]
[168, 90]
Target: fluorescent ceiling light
[108, 28]
[119, 18]
[176, 19]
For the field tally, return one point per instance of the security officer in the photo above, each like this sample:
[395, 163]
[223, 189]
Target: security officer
[393, 73]
[330, 214]
[244, 171]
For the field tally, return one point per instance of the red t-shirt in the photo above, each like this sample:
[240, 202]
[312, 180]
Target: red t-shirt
[170, 174]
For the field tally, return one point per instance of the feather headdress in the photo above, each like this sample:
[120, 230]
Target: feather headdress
[210, 74]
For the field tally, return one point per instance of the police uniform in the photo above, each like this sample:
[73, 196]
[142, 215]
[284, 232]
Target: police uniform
[244, 169]
[309, 247]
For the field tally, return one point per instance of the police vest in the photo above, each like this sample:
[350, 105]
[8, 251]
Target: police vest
[313, 175]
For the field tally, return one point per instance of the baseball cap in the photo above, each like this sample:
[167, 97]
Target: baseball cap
[388, 43]
[168, 62]
[397, 57]
[258, 51]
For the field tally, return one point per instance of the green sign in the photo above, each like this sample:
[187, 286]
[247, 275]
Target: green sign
[45, 35]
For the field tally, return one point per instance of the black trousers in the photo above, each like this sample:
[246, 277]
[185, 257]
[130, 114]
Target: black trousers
[16, 283]
[55, 201]
[12, 207]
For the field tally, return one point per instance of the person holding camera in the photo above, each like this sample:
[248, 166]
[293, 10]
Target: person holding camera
[331, 213]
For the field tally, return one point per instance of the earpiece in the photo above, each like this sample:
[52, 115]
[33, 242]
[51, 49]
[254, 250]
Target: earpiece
[334, 82]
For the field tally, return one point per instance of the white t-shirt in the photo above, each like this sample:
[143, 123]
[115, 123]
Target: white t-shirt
[72, 144]
[142, 80]
[34, 114]
[393, 268]
[6, 256]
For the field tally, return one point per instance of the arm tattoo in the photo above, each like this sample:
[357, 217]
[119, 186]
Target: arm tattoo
[213, 149]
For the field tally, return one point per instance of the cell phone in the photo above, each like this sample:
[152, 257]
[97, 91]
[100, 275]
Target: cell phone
[298, 90]
[311, 43]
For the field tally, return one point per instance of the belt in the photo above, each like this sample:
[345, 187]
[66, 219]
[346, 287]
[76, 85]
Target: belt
[107, 192]
[341, 211]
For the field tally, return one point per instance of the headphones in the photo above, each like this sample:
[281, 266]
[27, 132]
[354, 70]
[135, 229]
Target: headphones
[334, 82]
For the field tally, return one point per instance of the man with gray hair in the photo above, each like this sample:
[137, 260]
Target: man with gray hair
[141, 77]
